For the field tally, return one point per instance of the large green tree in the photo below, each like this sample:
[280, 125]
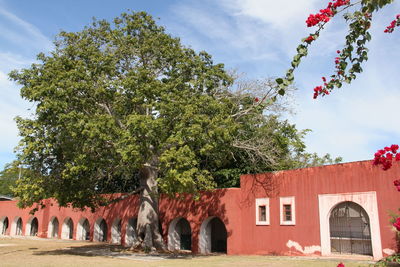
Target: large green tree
[8, 178]
[124, 107]
[122, 102]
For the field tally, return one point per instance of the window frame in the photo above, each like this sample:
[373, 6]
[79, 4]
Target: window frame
[287, 201]
[260, 202]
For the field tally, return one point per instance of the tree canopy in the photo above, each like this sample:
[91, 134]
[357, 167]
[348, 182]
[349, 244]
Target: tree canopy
[8, 178]
[112, 98]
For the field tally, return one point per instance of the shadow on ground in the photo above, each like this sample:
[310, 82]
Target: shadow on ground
[118, 252]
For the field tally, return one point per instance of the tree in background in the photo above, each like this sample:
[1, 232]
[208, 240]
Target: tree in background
[265, 141]
[8, 178]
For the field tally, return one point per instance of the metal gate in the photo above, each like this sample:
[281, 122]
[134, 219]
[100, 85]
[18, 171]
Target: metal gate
[350, 229]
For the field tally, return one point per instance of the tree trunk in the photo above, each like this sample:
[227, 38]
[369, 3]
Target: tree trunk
[148, 231]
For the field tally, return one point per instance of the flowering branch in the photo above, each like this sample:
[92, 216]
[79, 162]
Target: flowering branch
[393, 24]
[385, 158]
[349, 59]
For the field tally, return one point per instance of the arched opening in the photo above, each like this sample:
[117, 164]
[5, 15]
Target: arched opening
[32, 227]
[83, 232]
[213, 236]
[67, 230]
[130, 236]
[179, 235]
[52, 230]
[100, 230]
[4, 224]
[116, 232]
[16, 227]
[349, 227]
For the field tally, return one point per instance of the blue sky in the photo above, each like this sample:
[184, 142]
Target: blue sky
[255, 37]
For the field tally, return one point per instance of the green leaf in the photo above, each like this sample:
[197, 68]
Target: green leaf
[295, 64]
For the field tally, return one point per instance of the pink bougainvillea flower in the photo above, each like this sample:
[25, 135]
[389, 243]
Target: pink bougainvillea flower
[309, 39]
[397, 184]
[397, 224]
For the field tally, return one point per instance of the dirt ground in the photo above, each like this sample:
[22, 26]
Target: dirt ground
[53, 252]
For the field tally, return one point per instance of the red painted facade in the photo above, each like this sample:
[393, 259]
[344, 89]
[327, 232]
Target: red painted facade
[236, 207]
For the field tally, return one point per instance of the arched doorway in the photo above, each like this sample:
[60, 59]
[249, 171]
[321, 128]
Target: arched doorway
[130, 236]
[52, 229]
[349, 227]
[16, 228]
[213, 236]
[67, 230]
[33, 227]
[83, 232]
[4, 224]
[100, 230]
[116, 232]
[179, 235]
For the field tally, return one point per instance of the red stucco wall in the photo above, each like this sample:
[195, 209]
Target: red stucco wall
[236, 208]
[305, 185]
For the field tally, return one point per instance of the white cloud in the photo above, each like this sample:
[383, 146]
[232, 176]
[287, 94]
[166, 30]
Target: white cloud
[250, 32]
[9, 60]
[283, 14]
[26, 41]
[22, 32]
[11, 105]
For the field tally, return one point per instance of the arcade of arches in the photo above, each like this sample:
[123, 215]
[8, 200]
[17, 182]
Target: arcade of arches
[179, 235]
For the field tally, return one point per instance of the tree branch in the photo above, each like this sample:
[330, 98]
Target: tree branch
[108, 110]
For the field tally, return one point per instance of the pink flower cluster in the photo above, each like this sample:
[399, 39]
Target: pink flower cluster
[397, 184]
[326, 14]
[322, 90]
[393, 24]
[385, 157]
[397, 224]
[341, 265]
[319, 90]
[309, 39]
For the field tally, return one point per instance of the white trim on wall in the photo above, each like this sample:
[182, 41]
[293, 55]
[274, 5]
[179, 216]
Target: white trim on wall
[262, 202]
[287, 201]
[367, 200]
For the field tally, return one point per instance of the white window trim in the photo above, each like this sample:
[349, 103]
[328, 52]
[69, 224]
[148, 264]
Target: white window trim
[287, 201]
[262, 202]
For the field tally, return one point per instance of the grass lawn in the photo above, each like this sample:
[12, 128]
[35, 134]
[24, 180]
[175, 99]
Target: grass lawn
[46, 252]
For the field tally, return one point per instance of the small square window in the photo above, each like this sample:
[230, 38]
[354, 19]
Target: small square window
[262, 211]
[287, 210]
